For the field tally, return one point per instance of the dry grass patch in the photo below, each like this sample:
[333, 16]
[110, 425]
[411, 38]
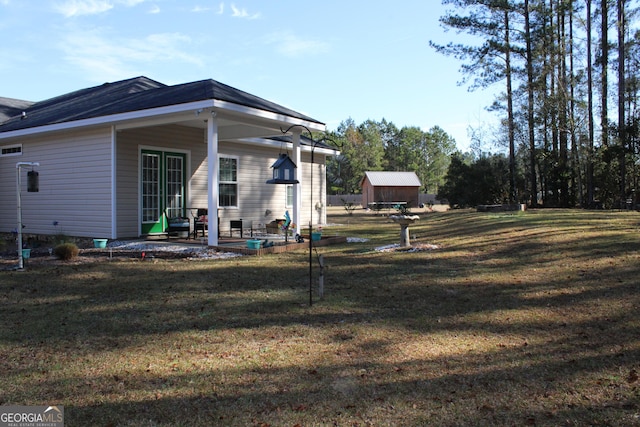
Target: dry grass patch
[523, 319]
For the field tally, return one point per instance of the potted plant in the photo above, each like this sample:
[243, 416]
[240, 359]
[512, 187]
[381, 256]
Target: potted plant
[316, 235]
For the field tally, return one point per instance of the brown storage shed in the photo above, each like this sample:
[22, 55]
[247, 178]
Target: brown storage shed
[385, 189]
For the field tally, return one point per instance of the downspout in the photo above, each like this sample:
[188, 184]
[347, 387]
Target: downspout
[212, 179]
[20, 165]
[297, 193]
[322, 215]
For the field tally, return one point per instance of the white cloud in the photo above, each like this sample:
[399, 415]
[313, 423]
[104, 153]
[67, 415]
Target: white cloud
[199, 9]
[106, 58]
[155, 9]
[288, 44]
[72, 8]
[130, 3]
[239, 13]
[242, 13]
[236, 12]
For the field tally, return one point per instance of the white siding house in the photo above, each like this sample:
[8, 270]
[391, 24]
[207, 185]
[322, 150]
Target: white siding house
[117, 159]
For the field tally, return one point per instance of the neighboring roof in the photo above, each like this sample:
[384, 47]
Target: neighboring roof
[392, 179]
[136, 94]
[10, 107]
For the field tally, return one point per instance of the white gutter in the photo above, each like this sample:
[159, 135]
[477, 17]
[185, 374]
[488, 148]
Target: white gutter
[122, 118]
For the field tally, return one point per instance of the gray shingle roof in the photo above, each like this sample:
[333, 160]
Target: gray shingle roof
[10, 107]
[139, 93]
[392, 179]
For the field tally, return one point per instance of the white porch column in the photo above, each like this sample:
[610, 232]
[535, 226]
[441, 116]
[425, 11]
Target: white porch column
[212, 178]
[114, 183]
[297, 198]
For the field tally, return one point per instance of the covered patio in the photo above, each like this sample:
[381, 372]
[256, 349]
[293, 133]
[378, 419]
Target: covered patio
[237, 119]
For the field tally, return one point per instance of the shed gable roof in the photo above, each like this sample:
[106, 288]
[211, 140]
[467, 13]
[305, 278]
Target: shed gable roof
[392, 179]
[139, 93]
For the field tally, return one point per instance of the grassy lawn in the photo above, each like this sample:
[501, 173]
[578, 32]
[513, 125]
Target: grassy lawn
[515, 319]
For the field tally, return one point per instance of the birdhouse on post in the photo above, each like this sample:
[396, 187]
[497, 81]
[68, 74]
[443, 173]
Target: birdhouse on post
[283, 171]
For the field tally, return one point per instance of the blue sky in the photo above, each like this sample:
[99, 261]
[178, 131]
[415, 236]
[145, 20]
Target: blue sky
[329, 59]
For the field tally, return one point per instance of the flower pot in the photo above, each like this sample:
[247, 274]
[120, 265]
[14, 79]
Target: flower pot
[100, 243]
[26, 253]
[315, 236]
[253, 244]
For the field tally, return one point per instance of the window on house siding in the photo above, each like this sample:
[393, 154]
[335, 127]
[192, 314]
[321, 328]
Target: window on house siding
[11, 150]
[289, 196]
[228, 182]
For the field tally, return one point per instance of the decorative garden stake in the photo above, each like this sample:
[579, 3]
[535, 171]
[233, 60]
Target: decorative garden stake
[321, 277]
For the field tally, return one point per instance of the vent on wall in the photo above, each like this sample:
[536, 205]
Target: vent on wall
[11, 150]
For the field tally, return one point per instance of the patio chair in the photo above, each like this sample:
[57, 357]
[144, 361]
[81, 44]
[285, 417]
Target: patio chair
[258, 228]
[177, 226]
[235, 225]
[200, 221]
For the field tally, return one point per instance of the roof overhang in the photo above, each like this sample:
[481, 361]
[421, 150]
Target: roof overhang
[235, 121]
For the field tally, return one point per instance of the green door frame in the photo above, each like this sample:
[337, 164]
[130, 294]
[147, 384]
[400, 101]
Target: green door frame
[163, 188]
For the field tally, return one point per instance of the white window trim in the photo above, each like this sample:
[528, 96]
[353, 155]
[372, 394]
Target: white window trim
[286, 196]
[236, 182]
[5, 147]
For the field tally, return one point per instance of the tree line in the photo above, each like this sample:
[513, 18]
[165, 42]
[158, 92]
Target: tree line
[569, 109]
[381, 145]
